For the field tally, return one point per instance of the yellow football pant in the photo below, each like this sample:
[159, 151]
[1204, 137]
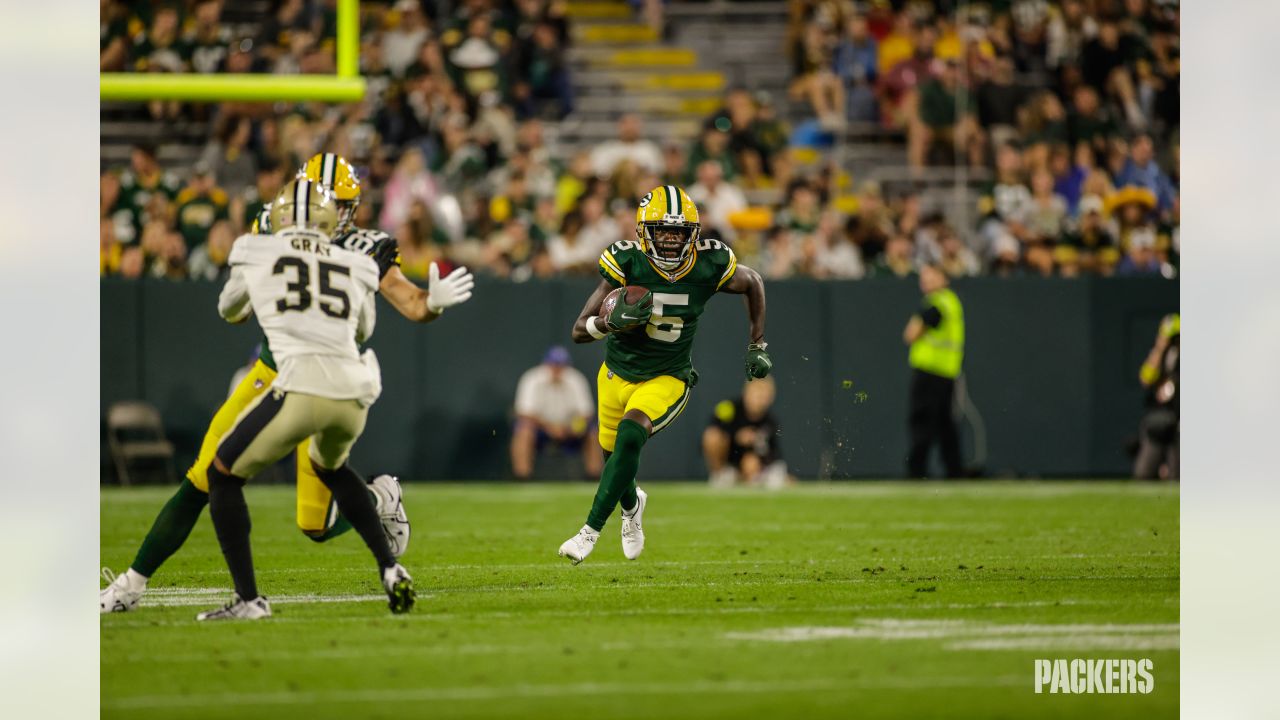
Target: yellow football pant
[660, 399]
[314, 498]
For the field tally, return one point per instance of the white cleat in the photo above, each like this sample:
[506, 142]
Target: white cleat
[239, 609]
[632, 532]
[578, 547]
[395, 523]
[399, 586]
[120, 595]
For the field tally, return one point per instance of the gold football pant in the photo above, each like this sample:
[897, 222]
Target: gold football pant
[661, 400]
[316, 511]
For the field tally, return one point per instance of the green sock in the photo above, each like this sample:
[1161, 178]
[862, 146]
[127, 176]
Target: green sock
[340, 526]
[619, 477]
[171, 528]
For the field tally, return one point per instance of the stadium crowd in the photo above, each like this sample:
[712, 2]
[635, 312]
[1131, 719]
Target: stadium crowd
[1071, 107]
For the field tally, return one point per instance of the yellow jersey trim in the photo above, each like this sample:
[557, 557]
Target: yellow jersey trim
[615, 273]
[679, 272]
[729, 272]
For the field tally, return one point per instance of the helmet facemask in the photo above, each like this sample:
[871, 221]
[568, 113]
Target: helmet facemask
[347, 213]
[665, 251]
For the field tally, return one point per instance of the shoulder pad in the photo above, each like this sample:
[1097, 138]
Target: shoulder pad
[616, 261]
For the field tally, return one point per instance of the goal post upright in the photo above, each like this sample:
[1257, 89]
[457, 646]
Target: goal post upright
[343, 87]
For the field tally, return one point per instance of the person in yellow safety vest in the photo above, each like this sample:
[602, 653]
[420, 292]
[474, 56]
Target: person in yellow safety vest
[936, 337]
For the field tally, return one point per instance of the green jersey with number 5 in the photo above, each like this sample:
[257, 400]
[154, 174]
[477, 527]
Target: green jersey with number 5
[665, 345]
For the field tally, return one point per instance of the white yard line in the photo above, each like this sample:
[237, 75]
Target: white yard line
[974, 635]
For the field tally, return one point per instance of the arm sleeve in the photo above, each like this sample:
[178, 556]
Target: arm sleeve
[611, 270]
[387, 255]
[233, 303]
[931, 316]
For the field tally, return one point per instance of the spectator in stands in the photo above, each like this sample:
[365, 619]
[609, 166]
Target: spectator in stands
[1006, 206]
[599, 231]
[234, 166]
[475, 62]
[569, 253]
[944, 112]
[856, 64]
[802, 211]
[956, 259]
[554, 405]
[740, 444]
[1103, 65]
[781, 254]
[200, 204]
[997, 100]
[113, 49]
[836, 257]
[208, 38]
[543, 79]
[267, 183]
[133, 263]
[1047, 211]
[630, 145]
[898, 259]
[674, 164]
[717, 201]
[144, 180]
[899, 81]
[1089, 121]
[814, 80]
[400, 44]
[713, 145]
[1090, 243]
[572, 183]
[1141, 170]
[1140, 257]
[209, 260]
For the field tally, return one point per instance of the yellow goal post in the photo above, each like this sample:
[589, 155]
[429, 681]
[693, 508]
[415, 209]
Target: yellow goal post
[345, 86]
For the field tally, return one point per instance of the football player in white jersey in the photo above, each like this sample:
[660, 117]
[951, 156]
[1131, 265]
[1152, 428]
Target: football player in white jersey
[315, 302]
[317, 515]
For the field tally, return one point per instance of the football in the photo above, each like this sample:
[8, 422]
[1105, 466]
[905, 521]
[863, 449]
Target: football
[634, 293]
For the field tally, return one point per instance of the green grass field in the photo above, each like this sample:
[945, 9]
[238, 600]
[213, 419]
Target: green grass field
[854, 600]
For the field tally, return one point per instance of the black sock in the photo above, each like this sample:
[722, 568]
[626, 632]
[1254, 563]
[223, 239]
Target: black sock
[356, 505]
[230, 517]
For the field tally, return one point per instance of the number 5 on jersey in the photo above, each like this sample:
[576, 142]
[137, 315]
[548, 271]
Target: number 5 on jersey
[665, 327]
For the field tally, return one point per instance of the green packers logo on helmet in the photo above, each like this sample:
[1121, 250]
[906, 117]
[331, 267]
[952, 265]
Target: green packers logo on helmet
[667, 226]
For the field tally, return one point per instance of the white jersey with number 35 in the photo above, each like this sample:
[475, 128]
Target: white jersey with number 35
[315, 302]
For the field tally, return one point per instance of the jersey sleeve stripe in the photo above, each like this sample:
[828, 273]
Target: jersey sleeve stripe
[729, 271]
[612, 269]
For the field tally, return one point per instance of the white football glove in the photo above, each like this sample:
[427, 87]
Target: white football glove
[452, 289]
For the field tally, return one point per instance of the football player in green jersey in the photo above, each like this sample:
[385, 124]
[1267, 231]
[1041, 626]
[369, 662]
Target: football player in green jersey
[644, 382]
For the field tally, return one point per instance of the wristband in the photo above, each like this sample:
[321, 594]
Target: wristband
[593, 330]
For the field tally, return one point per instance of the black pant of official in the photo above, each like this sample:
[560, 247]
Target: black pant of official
[930, 422]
